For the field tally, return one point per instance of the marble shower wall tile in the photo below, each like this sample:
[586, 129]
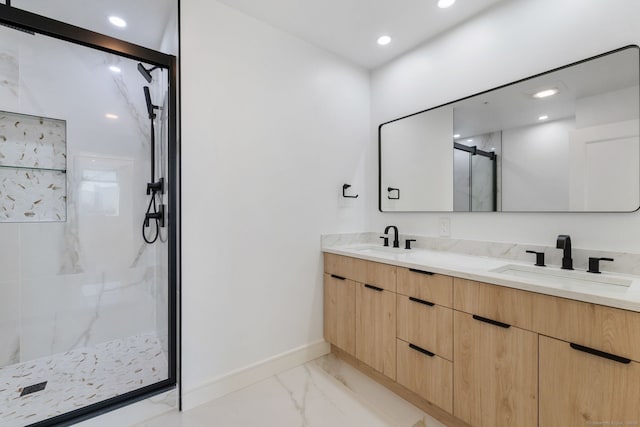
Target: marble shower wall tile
[62, 313]
[9, 323]
[9, 78]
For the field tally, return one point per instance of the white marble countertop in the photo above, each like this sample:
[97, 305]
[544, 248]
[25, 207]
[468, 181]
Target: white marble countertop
[576, 285]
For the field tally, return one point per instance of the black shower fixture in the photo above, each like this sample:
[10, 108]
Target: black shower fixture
[150, 106]
[146, 73]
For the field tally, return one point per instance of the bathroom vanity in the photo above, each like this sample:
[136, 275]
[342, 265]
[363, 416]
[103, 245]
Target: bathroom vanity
[484, 342]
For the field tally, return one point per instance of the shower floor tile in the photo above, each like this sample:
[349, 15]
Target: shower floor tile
[79, 378]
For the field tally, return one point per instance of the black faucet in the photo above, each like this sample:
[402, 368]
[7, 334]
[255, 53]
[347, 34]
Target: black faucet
[396, 242]
[564, 243]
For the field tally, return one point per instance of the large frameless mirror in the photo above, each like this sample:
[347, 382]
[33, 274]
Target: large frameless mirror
[562, 141]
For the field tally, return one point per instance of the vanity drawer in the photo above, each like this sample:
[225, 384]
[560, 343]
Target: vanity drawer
[346, 267]
[429, 327]
[506, 305]
[434, 288]
[607, 329]
[431, 377]
[381, 275]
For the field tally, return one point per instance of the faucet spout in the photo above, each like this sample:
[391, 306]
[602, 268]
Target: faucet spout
[564, 243]
[396, 242]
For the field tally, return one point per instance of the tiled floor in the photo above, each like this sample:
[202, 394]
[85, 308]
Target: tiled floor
[79, 377]
[325, 392]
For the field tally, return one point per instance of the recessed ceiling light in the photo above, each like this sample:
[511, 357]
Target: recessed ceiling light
[111, 116]
[384, 40]
[117, 21]
[457, 135]
[545, 93]
[443, 4]
[115, 69]
[543, 117]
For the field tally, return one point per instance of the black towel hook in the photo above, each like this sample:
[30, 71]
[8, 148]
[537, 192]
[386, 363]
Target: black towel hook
[344, 189]
[391, 189]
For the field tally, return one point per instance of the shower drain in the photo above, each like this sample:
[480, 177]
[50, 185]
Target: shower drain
[33, 388]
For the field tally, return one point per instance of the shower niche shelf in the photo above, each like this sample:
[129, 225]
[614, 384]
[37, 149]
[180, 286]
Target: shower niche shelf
[33, 159]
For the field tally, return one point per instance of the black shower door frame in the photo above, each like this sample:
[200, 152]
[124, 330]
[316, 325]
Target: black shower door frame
[80, 36]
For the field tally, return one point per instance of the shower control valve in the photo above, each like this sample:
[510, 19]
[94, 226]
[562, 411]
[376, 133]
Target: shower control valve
[155, 187]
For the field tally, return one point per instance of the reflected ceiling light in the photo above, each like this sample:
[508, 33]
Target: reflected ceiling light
[543, 117]
[493, 148]
[443, 4]
[117, 21]
[545, 93]
[469, 140]
[457, 135]
[115, 69]
[111, 116]
[384, 40]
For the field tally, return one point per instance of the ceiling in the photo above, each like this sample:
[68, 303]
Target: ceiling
[147, 19]
[350, 28]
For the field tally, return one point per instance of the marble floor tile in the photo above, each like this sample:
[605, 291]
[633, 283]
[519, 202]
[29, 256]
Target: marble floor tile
[325, 392]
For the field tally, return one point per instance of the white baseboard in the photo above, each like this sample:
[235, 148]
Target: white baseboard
[252, 374]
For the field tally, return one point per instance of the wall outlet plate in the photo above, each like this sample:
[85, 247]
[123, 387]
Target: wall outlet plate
[444, 227]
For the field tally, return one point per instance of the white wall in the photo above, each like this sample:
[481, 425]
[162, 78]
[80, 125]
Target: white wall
[413, 150]
[271, 129]
[514, 40]
[535, 167]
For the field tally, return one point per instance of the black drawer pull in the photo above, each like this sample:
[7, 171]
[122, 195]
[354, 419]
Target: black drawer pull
[600, 353]
[428, 273]
[421, 350]
[492, 322]
[375, 288]
[338, 277]
[420, 301]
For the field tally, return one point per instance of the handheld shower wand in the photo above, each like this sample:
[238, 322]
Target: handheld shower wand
[153, 187]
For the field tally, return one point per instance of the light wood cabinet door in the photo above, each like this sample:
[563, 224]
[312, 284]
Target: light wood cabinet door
[340, 313]
[579, 389]
[495, 374]
[426, 325]
[426, 374]
[376, 328]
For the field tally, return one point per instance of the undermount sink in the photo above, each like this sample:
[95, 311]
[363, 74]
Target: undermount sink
[561, 277]
[373, 249]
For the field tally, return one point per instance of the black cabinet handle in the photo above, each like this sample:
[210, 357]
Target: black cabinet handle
[599, 353]
[421, 301]
[338, 277]
[375, 288]
[428, 273]
[421, 350]
[492, 322]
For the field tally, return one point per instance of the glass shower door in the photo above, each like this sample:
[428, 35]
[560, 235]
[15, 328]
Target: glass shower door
[84, 300]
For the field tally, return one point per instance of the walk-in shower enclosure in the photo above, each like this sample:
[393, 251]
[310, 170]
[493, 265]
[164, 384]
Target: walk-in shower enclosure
[87, 308]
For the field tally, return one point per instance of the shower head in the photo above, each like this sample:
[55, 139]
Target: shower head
[146, 73]
[150, 106]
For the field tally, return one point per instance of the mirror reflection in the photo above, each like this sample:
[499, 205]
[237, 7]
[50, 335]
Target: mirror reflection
[556, 142]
